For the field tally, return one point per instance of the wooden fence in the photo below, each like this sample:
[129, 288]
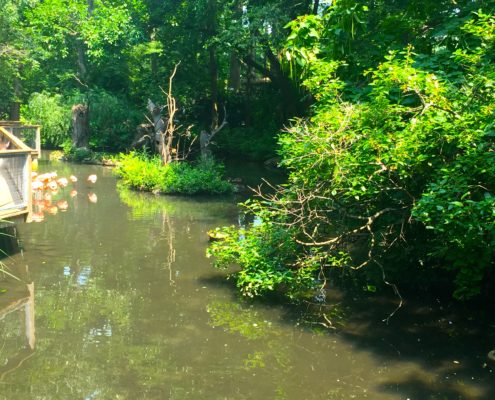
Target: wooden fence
[29, 134]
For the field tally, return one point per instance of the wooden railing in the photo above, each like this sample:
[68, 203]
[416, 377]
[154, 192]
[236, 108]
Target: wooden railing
[15, 176]
[29, 134]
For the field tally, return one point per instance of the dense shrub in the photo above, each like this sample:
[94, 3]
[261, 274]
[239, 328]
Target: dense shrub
[148, 173]
[112, 120]
[390, 185]
[50, 111]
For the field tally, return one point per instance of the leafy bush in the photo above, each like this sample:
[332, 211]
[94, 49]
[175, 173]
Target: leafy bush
[79, 155]
[270, 260]
[401, 181]
[50, 111]
[88, 156]
[148, 173]
[112, 120]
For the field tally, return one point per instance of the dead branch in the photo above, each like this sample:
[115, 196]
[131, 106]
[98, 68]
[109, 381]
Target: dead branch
[206, 138]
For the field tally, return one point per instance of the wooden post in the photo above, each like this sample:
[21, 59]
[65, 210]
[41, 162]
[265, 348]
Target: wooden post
[38, 140]
[29, 213]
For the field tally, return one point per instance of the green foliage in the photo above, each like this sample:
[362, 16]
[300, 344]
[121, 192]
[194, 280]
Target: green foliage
[269, 258]
[56, 155]
[399, 175]
[62, 25]
[113, 120]
[144, 173]
[15, 57]
[52, 113]
[79, 155]
[251, 143]
[140, 172]
[87, 156]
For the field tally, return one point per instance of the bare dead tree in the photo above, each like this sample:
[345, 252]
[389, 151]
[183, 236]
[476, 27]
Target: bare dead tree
[171, 141]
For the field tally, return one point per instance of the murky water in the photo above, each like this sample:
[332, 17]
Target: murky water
[125, 305]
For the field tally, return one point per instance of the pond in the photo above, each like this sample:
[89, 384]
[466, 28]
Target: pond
[125, 305]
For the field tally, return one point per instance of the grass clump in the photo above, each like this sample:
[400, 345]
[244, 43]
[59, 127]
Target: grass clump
[142, 172]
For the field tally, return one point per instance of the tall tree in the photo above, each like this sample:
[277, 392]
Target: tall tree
[14, 56]
[74, 37]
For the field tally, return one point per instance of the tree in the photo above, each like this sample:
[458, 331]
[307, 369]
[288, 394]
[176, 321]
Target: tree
[74, 38]
[390, 180]
[15, 58]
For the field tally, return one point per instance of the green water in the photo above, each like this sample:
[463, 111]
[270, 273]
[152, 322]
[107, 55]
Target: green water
[127, 306]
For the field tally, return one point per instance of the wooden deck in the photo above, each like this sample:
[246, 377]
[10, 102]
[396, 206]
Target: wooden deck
[15, 177]
[30, 135]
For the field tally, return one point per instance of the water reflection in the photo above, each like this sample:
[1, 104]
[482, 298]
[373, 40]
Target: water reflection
[17, 301]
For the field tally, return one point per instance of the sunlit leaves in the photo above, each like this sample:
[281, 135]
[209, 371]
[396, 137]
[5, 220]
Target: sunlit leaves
[411, 152]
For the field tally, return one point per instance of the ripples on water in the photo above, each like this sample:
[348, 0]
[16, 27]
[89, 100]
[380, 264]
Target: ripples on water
[128, 307]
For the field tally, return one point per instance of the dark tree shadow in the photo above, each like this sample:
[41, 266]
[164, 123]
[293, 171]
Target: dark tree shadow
[449, 342]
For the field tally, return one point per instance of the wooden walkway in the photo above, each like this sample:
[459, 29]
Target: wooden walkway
[15, 176]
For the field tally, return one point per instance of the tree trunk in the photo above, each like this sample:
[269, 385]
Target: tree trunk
[250, 76]
[316, 7]
[213, 87]
[204, 142]
[235, 63]
[91, 7]
[213, 65]
[235, 72]
[161, 144]
[153, 56]
[80, 126]
[81, 62]
[15, 111]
